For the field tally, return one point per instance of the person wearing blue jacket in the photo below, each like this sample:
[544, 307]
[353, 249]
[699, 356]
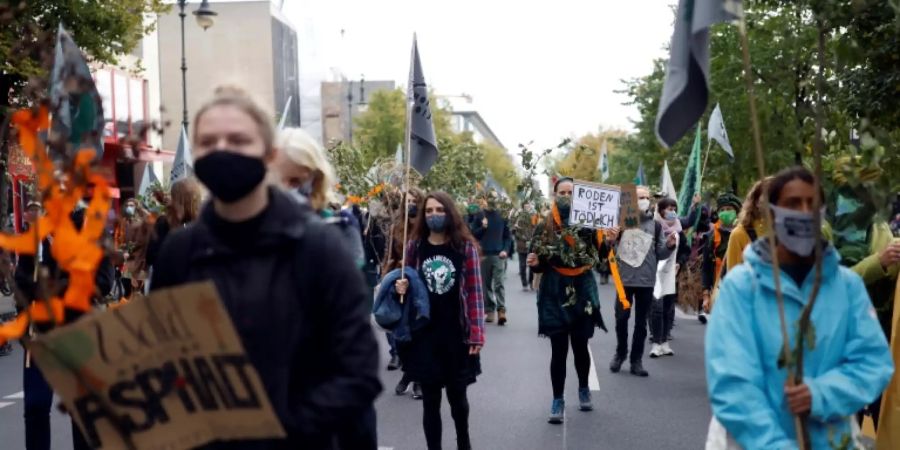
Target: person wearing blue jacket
[849, 364]
[492, 231]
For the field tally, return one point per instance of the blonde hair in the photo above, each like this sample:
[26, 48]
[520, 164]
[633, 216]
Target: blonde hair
[301, 149]
[750, 211]
[239, 98]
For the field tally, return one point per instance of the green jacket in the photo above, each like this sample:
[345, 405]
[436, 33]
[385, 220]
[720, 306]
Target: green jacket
[879, 282]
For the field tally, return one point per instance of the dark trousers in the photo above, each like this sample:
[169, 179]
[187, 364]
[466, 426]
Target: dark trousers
[38, 401]
[431, 418]
[392, 343]
[525, 272]
[641, 298]
[660, 319]
[559, 346]
[360, 433]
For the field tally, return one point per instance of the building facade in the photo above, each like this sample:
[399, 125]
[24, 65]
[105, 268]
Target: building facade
[252, 45]
[341, 102]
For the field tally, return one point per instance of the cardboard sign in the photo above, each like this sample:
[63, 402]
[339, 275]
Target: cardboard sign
[164, 372]
[594, 205]
[630, 215]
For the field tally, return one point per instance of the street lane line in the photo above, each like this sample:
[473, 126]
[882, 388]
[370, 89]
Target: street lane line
[17, 396]
[593, 379]
[5, 404]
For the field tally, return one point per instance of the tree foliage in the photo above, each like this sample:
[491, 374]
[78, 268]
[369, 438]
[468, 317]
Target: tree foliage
[861, 77]
[581, 159]
[380, 131]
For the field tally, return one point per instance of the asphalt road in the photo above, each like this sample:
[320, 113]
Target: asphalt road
[511, 400]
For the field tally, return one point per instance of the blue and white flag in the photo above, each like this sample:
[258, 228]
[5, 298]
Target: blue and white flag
[184, 164]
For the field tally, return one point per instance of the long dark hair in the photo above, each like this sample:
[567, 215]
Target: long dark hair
[456, 227]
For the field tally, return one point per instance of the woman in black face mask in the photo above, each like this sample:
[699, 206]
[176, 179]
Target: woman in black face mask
[306, 331]
[444, 354]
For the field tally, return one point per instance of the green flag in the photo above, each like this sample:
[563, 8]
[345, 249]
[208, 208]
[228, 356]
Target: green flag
[690, 185]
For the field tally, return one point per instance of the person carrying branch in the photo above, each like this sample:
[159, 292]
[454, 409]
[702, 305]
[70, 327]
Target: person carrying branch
[846, 362]
[567, 301]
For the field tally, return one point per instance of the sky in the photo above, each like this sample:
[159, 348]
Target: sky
[538, 71]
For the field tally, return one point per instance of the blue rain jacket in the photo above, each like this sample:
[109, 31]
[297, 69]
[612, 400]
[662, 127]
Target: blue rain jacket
[848, 368]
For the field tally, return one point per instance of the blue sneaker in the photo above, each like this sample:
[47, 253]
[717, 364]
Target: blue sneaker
[584, 399]
[557, 411]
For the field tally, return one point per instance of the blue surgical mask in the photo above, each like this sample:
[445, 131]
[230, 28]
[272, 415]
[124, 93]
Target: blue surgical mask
[412, 211]
[671, 215]
[129, 210]
[437, 222]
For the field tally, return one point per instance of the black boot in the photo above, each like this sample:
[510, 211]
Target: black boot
[417, 391]
[616, 364]
[395, 363]
[637, 368]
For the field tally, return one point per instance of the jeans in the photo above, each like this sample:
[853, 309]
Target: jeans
[392, 343]
[431, 417]
[38, 401]
[559, 346]
[493, 270]
[660, 320]
[641, 298]
[525, 272]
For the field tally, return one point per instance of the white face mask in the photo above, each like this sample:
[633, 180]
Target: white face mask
[644, 204]
[795, 230]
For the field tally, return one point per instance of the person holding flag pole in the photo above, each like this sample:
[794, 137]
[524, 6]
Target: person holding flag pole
[444, 353]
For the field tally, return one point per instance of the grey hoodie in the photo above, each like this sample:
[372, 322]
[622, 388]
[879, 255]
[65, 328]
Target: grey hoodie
[645, 275]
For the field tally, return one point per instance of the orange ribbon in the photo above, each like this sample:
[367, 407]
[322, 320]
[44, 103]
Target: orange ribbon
[613, 265]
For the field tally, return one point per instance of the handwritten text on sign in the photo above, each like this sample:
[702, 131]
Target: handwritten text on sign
[164, 372]
[595, 205]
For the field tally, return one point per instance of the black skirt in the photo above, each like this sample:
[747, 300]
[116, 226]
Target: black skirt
[438, 358]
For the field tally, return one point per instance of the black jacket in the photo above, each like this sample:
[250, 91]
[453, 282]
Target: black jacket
[301, 309]
[710, 253]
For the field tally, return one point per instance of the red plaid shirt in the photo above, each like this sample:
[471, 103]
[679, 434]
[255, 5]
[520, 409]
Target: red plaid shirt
[471, 296]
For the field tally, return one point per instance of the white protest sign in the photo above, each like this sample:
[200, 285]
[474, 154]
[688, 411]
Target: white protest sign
[595, 205]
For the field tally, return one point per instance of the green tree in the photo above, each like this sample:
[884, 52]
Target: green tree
[581, 157]
[783, 36]
[461, 162]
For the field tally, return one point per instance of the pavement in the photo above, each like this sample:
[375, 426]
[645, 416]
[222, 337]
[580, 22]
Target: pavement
[510, 402]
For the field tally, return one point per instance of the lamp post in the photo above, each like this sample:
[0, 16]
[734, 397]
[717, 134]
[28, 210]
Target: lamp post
[205, 18]
[361, 102]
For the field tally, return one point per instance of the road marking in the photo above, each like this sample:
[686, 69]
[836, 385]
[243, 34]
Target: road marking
[593, 379]
[17, 396]
[385, 448]
[5, 404]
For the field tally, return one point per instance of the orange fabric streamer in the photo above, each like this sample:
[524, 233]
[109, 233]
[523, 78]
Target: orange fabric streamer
[613, 264]
[75, 251]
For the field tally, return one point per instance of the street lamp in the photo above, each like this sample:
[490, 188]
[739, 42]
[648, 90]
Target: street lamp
[360, 103]
[205, 18]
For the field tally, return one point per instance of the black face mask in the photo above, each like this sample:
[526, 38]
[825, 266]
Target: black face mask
[564, 206]
[230, 176]
[411, 211]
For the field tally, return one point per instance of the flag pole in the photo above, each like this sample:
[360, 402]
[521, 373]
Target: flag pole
[406, 172]
[706, 158]
[799, 423]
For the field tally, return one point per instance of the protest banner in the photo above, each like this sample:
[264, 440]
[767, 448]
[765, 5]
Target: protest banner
[163, 372]
[594, 205]
[630, 214]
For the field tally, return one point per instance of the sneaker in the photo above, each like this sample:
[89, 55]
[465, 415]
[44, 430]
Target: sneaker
[401, 388]
[6, 349]
[656, 351]
[417, 391]
[637, 369]
[702, 318]
[616, 364]
[489, 317]
[666, 350]
[395, 363]
[584, 399]
[501, 318]
[557, 411]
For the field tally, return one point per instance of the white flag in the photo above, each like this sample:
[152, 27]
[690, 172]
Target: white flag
[668, 187]
[603, 163]
[716, 130]
[147, 180]
[184, 164]
[398, 156]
